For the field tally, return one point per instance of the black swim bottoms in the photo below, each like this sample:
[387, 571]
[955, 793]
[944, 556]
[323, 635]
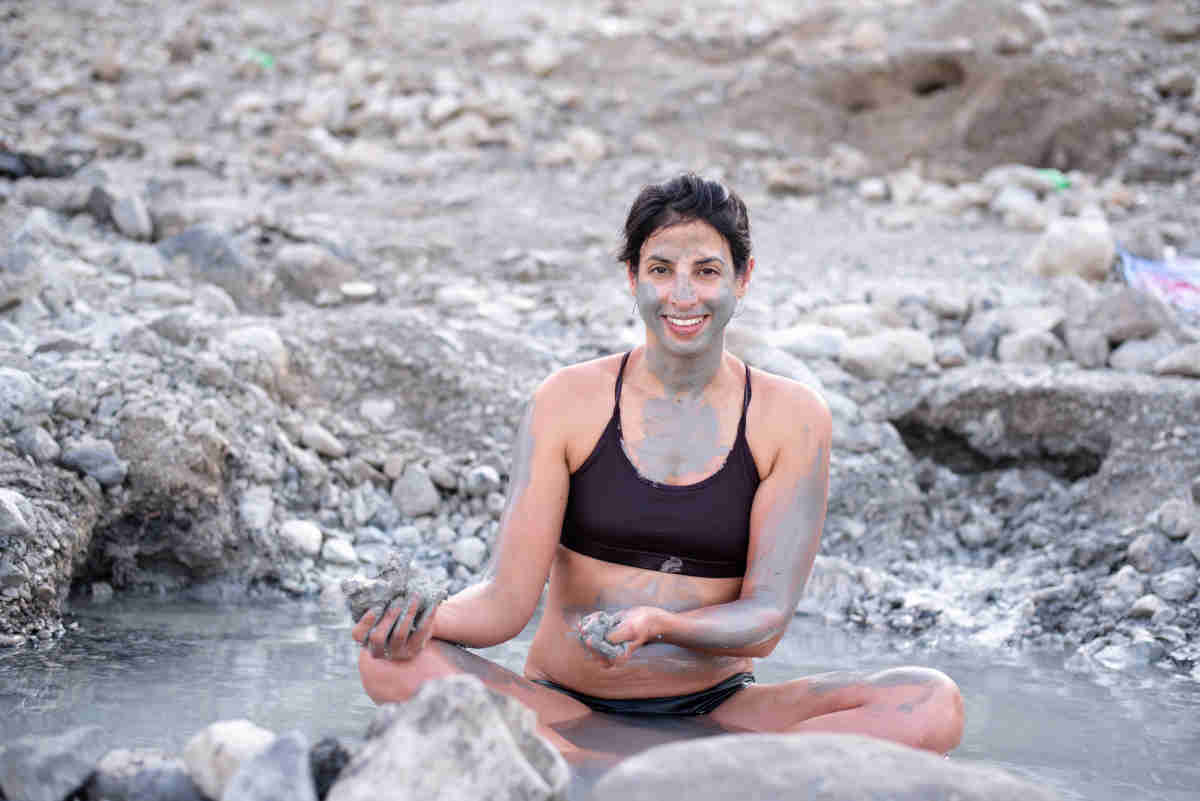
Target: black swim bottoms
[698, 703]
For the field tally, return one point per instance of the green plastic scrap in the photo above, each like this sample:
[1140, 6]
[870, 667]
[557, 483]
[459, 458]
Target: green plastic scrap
[261, 57]
[1057, 178]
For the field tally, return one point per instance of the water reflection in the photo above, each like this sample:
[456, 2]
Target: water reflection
[153, 673]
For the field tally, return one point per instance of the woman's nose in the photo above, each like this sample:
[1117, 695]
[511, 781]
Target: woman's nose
[682, 290]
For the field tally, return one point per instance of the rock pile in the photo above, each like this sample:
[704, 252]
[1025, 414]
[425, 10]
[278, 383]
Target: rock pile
[257, 331]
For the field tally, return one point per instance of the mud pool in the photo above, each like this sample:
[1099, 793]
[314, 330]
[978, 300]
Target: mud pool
[153, 672]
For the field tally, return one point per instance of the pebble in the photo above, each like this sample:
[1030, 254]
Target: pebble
[481, 480]
[338, 552]
[1177, 585]
[1177, 518]
[256, 507]
[130, 215]
[37, 443]
[96, 458]
[13, 522]
[23, 400]
[302, 537]
[414, 492]
[317, 437]
[470, 552]
[542, 57]
[1083, 247]
[1030, 347]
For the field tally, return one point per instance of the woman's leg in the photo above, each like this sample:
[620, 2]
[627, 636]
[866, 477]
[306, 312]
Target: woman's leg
[915, 706]
[392, 680]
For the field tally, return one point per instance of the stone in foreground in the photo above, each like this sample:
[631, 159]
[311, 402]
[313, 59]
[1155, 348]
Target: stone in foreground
[821, 767]
[455, 739]
[50, 768]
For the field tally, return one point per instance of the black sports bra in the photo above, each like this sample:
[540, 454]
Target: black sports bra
[617, 515]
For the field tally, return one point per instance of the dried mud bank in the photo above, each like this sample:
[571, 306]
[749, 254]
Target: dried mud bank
[275, 318]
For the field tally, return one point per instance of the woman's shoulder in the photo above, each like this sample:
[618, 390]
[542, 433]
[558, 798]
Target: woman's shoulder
[581, 382]
[778, 396]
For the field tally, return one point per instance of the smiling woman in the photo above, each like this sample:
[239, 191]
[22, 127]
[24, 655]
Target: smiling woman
[674, 499]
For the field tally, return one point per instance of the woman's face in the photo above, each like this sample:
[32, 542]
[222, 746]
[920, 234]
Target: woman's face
[686, 287]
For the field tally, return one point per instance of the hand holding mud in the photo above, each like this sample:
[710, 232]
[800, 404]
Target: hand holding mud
[394, 613]
[615, 636]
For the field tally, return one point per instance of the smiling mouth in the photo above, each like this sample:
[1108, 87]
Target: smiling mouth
[685, 325]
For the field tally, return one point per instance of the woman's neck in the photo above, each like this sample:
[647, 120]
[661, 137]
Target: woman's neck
[684, 376]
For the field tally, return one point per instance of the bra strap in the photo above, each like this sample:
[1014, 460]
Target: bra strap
[620, 378]
[745, 405]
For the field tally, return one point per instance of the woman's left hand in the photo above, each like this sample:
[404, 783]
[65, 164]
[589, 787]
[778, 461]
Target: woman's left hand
[614, 637]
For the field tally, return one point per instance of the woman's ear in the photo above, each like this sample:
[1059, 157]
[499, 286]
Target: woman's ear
[631, 274]
[744, 280]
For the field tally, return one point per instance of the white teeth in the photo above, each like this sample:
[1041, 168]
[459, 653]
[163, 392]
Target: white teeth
[684, 322]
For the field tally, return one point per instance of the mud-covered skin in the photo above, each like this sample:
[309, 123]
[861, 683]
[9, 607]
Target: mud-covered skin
[402, 587]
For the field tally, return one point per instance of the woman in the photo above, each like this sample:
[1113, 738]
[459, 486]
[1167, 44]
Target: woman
[674, 498]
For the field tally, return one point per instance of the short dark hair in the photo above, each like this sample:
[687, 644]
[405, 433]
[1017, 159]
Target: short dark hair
[683, 199]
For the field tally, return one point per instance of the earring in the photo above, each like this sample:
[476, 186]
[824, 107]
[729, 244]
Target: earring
[635, 311]
[737, 309]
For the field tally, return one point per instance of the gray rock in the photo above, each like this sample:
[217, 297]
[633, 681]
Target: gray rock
[214, 754]
[1177, 518]
[798, 176]
[1177, 585]
[470, 552]
[50, 768]
[950, 352]
[1127, 314]
[1030, 347]
[23, 401]
[887, 353]
[454, 739]
[415, 493]
[766, 767]
[142, 775]
[96, 458]
[37, 443]
[280, 771]
[213, 257]
[327, 759]
[481, 480]
[317, 437]
[142, 261]
[1192, 546]
[20, 276]
[1087, 346]
[1019, 208]
[312, 272]
[132, 218]
[1147, 607]
[1141, 651]
[1148, 553]
[1185, 362]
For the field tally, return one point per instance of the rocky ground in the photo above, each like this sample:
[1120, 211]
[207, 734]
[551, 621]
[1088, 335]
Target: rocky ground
[275, 292]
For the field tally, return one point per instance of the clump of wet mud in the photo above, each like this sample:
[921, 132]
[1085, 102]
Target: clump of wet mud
[398, 581]
[594, 630]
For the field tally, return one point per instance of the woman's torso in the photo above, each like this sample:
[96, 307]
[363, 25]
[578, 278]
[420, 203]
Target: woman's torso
[581, 584]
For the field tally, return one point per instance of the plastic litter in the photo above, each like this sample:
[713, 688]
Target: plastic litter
[261, 57]
[1058, 178]
[1175, 282]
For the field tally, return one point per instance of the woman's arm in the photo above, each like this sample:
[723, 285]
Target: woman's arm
[785, 530]
[496, 608]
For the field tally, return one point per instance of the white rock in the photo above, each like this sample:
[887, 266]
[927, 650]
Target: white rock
[264, 341]
[1140, 355]
[542, 57]
[1030, 347]
[213, 755]
[868, 35]
[810, 340]
[1184, 362]
[883, 355]
[302, 537]
[587, 146]
[215, 300]
[442, 109]
[1019, 208]
[339, 552]
[470, 552]
[131, 217]
[1081, 246]
[415, 493]
[317, 437]
[256, 507]
[857, 319]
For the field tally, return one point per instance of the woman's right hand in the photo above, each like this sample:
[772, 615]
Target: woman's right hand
[400, 634]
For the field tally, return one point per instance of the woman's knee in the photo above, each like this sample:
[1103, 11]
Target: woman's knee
[945, 717]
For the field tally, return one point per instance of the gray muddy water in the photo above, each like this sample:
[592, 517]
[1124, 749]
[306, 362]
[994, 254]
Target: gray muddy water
[153, 673]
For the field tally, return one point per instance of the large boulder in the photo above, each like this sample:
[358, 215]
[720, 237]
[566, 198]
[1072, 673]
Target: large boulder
[1117, 428]
[454, 739]
[830, 767]
[50, 768]
[46, 520]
